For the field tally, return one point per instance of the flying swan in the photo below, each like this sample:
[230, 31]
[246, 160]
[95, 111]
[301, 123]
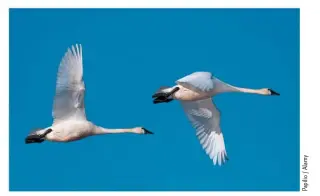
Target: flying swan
[195, 92]
[69, 118]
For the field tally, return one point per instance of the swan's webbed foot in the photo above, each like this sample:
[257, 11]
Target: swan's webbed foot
[33, 139]
[37, 138]
[160, 94]
[162, 97]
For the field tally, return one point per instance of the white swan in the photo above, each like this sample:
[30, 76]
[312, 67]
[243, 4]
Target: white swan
[70, 122]
[195, 92]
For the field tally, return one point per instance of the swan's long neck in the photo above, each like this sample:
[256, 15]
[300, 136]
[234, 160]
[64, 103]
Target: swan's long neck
[222, 87]
[252, 91]
[101, 130]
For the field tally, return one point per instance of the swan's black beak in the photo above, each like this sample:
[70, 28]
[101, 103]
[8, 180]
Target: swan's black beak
[33, 139]
[273, 92]
[146, 131]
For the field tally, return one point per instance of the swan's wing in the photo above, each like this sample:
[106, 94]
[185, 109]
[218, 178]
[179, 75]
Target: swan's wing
[197, 81]
[205, 82]
[205, 118]
[70, 90]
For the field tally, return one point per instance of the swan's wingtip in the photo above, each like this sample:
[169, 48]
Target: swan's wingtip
[221, 162]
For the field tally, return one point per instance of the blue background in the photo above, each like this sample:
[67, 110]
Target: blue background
[127, 55]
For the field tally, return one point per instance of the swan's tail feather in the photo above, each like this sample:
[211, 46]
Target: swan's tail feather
[35, 131]
[163, 89]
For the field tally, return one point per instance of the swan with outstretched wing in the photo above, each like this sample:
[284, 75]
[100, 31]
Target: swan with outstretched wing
[69, 117]
[195, 91]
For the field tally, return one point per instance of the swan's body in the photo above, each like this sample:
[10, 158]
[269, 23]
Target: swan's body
[195, 92]
[70, 122]
[70, 130]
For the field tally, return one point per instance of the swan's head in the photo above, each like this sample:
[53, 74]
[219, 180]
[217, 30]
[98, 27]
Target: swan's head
[141, 130]
[269, 91]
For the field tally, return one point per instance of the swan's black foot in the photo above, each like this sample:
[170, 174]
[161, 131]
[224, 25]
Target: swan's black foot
[159, 95]
[35, 138]
[146, 131]
[162, 97]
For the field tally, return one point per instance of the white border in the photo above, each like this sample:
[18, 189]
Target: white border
[309, 75]
[309, 95]
[154, 3]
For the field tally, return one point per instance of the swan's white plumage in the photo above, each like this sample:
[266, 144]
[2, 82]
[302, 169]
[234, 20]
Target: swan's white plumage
[205, 82]
[195, 92]
[69, 117]
[203, 114]
[205, 118]
[70, 90]
[197, 81]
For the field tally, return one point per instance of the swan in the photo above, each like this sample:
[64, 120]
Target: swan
[69, 117]
[194, 91]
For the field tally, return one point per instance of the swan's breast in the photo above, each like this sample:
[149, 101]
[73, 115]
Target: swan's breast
[70, 130]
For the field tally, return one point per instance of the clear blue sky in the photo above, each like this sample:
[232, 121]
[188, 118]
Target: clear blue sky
[127, 55]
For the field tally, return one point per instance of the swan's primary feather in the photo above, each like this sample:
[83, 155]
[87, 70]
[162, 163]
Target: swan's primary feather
[70, 90]
[205, 118]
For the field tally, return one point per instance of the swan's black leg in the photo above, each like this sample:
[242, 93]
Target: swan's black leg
[162, 100]
[162, 97]
[168, 94]
[37, 138]
[46, 133]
